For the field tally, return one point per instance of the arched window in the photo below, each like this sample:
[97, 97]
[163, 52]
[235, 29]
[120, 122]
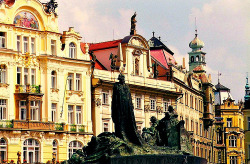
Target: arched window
[53, 79]
[197, 58]
[2, 73]
[72, 50]
[137, 65]
[55, 149]
[31, 151]
[192, 59]
[3, 149]
[73, 147]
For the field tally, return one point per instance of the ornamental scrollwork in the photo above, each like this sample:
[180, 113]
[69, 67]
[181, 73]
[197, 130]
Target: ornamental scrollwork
[98, 102]
[159, 109]
[146, 108]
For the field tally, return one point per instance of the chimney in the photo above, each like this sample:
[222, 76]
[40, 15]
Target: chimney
[183, 64]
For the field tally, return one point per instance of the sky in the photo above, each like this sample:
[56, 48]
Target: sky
[223, 25]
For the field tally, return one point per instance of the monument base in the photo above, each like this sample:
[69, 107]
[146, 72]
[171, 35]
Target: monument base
[156, 159]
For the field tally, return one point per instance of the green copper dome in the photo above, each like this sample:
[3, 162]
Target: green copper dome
[196, 43]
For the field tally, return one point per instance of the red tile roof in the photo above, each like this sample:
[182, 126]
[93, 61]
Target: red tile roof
[104, 45]
[98, 65]
[198, 68]
[159, 56]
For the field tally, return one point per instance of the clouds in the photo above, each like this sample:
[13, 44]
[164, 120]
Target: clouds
[223, 25]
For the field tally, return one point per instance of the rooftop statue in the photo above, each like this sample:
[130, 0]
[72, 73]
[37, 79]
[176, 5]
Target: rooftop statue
[133, 25]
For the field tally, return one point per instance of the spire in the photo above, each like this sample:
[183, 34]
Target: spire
[153, 34]
[196, 34]
[247, 90]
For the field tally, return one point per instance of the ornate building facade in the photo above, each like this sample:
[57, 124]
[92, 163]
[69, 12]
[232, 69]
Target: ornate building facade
[229, 127]
[45, 90]
[246, 111]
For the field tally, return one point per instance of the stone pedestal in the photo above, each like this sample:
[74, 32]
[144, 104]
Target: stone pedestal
[156, 159]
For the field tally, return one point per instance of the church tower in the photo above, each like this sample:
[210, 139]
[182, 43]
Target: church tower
[196, 56]
[247, 89]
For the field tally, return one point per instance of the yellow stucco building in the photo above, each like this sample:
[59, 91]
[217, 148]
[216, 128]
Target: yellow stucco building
[229, 128]
[246, 111]
[45, 89]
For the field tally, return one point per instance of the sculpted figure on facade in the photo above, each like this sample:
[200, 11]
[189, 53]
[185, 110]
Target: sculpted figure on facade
[133, 25]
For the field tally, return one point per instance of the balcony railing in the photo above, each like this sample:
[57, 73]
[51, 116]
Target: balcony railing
[76, 128]
[37, 125]
[28, 88]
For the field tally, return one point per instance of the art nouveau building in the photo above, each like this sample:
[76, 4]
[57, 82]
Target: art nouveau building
[44, 84]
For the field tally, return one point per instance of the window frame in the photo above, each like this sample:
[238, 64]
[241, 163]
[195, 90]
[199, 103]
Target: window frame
[3, 39]
[78, 82]
[53, 112]
[72, 50]
[3, 109]
[70, 81]
[33, 45]
[78, 114]
[71, 114]
[3, 74]
[73, 147]
[138, 102]
[25, 44]
[53, 47]
[105, 98]
[152, 104]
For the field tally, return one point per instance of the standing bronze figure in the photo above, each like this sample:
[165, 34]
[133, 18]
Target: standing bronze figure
[133, 25]
[123, 113]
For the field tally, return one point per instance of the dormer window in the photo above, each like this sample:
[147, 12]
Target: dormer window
[72, 50]
[2, 40]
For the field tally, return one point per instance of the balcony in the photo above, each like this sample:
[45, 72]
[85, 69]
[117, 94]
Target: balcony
[235, 130]
[28, 88]
[76, 128]
[208, 119]
[37, 125]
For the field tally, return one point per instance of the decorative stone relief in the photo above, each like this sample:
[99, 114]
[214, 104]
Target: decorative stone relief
[159, 109]
[146, 108]
[26, 60]
[98, 102]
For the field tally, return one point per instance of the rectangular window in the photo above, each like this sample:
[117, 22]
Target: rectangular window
[18, 43]
[229, 122]
[33, 48]
[201, 152]
[166, 105]
[78, 115]
[26, 76]
[152, 104]
[34, 110]
[19, 75]
[186, 124]
[22, 107]
[78, 82]
[2, 74]
[33, 76]
[70, 114]
[200, 129]
[248, 121]
[53, 47]
[138, 102]
[232, 141]
[197, 151]
[53, 112]
[219, 157]
[196, 125]
[2, 40]
[192, 125]
[3, 109]
[233, 159]
[25, 44]
[53, 79]
[105, 126]
[70, 81]
[105, 98]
